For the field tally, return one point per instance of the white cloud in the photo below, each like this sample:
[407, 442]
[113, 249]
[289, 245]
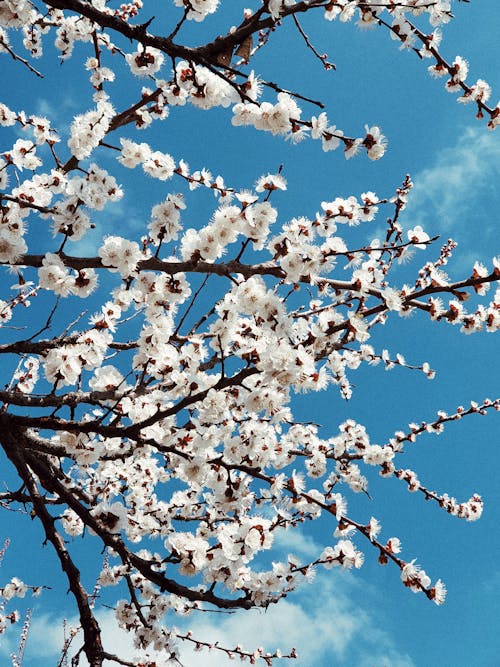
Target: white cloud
[45, 638]
[457, 193]
[60, 115]
[296, 542]
[115, 219]
[321, 622]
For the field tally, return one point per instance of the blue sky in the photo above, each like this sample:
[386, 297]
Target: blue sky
[366, 618]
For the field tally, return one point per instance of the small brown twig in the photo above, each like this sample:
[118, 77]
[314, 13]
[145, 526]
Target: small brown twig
[322, 57]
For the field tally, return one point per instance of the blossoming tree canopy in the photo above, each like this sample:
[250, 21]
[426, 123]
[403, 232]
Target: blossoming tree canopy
[162, 427]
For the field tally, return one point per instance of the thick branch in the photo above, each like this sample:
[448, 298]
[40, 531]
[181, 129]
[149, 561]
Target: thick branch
[202, 54]
[155, 264]
[91, 630]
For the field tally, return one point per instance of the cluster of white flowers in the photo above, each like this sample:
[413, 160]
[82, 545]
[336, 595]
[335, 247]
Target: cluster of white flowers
[63, 365]
[94, 190]
[198, 10]
[23, 155]
[26, 375]
[41, 127]
[145, 61]
[296, 251]
[16, 13]
[154, 163]
[276, 7]
[15, 588]
[71, 29]
[228, 223]
[12, 230]
[165, 219]
[438, 12]
[54, 275]
[120, 255]
[344, 554]
[284, 118]
[98, 74]
[275, 118]
[202, 87]
[89, 128]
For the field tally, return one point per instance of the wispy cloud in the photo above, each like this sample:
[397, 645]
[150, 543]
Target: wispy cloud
[60, 115]
[45, 639]
[458, 194]
[113, 220]
[298, 543]
[322, 622]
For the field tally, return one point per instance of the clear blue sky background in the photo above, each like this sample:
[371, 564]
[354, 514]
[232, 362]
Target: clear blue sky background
[367, 618]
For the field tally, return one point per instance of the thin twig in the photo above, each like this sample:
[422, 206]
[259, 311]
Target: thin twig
[320, 56]
[19, 59]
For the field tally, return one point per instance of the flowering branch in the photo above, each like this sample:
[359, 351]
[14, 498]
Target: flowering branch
[161, 427]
